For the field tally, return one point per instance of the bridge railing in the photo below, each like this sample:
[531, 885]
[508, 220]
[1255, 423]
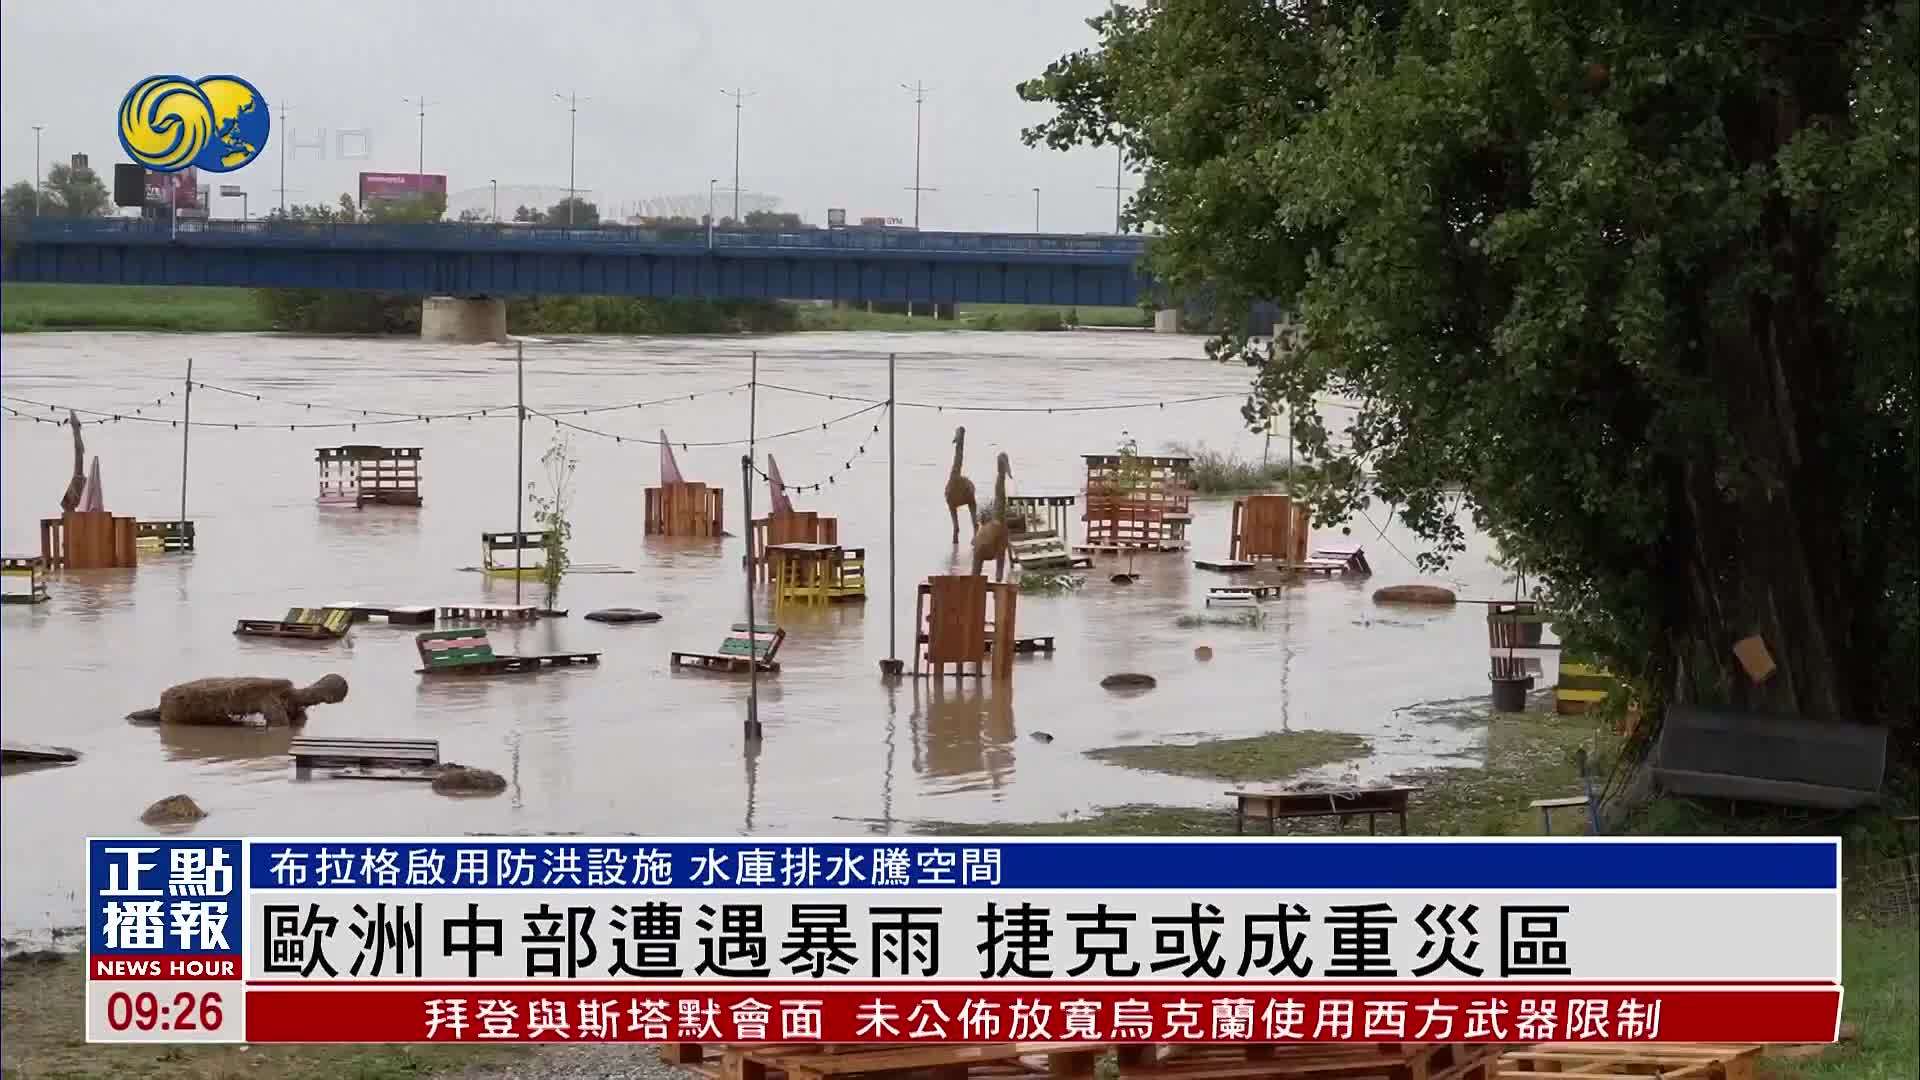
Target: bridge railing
[469, 237]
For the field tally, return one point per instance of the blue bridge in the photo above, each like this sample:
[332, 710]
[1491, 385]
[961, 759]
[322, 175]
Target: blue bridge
[444, 259]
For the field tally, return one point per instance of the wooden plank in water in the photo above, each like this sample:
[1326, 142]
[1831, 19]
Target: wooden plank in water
[37, 752]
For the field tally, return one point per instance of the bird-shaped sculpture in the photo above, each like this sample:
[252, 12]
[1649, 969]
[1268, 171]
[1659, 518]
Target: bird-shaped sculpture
[960, 489]
[990, 540]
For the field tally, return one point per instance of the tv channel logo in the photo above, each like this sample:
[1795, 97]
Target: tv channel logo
[218, 124]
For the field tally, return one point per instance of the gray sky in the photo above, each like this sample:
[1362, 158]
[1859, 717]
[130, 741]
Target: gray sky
[829, 125]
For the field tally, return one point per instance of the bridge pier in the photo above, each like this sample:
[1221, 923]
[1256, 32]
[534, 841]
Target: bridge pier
[463, 320]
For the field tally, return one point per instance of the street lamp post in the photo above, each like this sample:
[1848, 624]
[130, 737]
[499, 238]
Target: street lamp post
[710, 185]
[37, 128]
[284, 137]
[1036, 210]
[573, 127]
[495, 185]
[919, 93]
[739, 97]
[422, 103]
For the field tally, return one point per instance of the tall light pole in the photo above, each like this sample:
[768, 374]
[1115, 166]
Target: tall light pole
[1036, 210]
[495, 185]
[422, 103]
[739, 97]
[37, 128]
[919, 93]
[1120, 157]
[284, 133]
[573, 127]
[710, 185]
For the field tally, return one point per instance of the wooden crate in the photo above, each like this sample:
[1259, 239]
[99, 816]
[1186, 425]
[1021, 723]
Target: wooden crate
[828, 1061]
[687, 509]
[369, 474]
[89, 540]
[953, 631]
[164, 535]
[1670, 1061]
[1312, 1061]
[31, 569]
[1137, 503]
[1269, 528]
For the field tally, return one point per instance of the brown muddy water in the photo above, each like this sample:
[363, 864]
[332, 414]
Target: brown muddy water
[630, 747]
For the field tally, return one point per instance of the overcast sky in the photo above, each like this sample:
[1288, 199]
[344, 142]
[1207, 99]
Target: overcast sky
[828, 125]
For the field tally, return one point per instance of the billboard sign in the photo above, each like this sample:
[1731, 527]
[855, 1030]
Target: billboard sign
[180, 190]
[400, 187]
[837, 218]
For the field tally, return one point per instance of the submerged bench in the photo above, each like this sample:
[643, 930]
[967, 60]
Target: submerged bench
[308, 624]
[1356, 802]
[468, 652]
[1045, 553]
[744, 648]
[311, 752]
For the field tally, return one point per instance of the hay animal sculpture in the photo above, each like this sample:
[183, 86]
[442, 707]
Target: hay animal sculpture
[76, 487]
[959, 488]
[233, 700]
[990, 539]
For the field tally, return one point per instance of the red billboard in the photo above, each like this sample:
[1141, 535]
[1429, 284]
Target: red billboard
[396, 187]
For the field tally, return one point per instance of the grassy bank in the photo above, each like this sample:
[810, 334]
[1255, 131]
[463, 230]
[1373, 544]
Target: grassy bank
[26, 307]
[32, 307]
[1261, 757]
[43, 1034]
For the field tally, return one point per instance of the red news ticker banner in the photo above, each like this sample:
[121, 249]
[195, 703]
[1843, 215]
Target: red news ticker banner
[478, 1014]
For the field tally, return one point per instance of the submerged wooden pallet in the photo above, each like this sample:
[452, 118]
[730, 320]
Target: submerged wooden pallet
[1312, 1061]
[1671, 1061]
[830, 1061]
[398, 615]
[1228, 594]
[309, 752]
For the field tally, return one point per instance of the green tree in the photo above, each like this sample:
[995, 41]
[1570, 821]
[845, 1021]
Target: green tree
[1634, 284]
[585, 214]
[429, 207]
[526, 213]
[18, 201]
[769, 219]
[472, 216]
[71, 192]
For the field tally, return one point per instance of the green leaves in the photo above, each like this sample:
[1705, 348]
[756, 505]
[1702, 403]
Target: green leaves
[1621, 283]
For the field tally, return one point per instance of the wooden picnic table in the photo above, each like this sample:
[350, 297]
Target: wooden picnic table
[1354, 802]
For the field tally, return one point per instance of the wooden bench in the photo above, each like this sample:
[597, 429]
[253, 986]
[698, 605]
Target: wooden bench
[489, 612]
[468, 652]
[493, 564]
[164, 535]
[1356, 802]
[1548, 806]
[310, 752]
[743, 648]
[1769, 758]
[1241, 594]
[1045, 553]
[31, 567]
[306, 624]
[1603, 1061]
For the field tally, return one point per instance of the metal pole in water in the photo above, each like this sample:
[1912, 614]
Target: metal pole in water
[892, 666]
[519, 458]
[186, 428]
[752, 729]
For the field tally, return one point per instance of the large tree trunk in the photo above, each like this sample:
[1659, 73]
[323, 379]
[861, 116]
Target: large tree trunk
[1764, 551]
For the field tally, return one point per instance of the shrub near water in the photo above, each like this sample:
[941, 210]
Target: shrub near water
[1215, 473]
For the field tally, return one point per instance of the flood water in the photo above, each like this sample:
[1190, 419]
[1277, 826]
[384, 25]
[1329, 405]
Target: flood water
[629, 746]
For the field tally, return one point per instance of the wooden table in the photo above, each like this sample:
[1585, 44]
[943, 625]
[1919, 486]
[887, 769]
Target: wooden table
[805, 573]
[1358, 802]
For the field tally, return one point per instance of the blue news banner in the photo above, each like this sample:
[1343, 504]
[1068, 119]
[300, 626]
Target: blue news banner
[1265, 940]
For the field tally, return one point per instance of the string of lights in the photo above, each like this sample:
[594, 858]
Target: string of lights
[845, 467]
[108, 417]
[641, 440]
[941, 407]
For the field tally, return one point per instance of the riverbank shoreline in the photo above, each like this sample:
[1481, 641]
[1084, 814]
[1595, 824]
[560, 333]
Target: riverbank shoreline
[1526, 754]
[45, 308]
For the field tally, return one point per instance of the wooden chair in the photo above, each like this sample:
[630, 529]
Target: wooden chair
[745, 647]
[307, 624]
[468, 652]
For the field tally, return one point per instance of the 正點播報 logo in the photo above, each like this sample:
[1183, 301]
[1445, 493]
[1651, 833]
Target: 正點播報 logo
[170, 122]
